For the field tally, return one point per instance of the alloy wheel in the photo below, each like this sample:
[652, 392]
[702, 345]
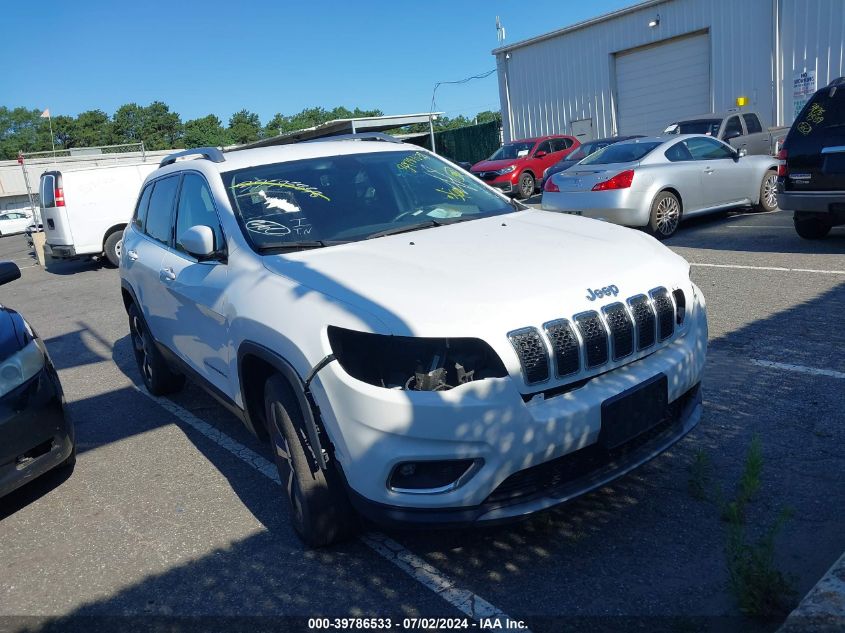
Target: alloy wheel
[668, 215]
[142, 351]
[770, 191]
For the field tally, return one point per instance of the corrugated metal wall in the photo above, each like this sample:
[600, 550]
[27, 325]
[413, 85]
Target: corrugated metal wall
[570, 76]
[811, 38]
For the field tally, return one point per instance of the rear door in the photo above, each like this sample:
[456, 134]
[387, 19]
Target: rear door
[816, 144]
[195, 290]
[54, 217]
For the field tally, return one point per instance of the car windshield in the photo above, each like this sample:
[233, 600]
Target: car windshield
[509, 151]
[709, 127]
[322, 201]
[620, 153]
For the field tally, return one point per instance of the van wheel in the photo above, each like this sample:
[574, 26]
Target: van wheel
[768, 192]
[526, 186]
[112, 248]
[319, 507]
[665, 215]
[810, 227]
[159, 378]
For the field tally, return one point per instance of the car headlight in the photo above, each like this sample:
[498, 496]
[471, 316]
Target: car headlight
[20, 367]
[413, 363]
[506, 170]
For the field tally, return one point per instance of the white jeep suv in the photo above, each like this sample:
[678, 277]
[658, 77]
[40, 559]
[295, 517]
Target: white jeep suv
[418, 348]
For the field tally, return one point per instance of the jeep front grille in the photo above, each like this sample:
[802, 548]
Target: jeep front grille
[594, 336]
[565, 348]
[592, 339]
[533, 357]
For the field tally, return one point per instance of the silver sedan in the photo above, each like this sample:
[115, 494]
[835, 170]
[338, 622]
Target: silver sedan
[656, 182]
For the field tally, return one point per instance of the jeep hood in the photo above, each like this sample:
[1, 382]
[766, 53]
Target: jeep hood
[485, 277]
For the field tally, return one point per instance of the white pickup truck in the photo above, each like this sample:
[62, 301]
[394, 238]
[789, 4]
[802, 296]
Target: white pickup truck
[84, 211]
[742, 130]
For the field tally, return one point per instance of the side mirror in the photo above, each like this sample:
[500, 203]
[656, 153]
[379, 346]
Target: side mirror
[742, 152]
[198, 241]
[540, 154]
[732, 135]
[9, 271]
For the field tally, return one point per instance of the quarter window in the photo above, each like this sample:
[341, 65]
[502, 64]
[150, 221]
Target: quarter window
[752, 123]
[677, 153]
[196, 208]
[707, 149]
[160, 210]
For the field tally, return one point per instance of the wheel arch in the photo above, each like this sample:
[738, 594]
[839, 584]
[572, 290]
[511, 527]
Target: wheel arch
[113, 229]
[674, 191]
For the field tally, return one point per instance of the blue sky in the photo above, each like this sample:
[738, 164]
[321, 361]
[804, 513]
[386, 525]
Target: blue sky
[280, 56]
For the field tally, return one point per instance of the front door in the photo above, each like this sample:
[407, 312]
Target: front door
[722, 179]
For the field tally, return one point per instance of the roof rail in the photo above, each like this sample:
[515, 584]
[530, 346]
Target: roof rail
[211, 153]
[837, 82]
[361, 136]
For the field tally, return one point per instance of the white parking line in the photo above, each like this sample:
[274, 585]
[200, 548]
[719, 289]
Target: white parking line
[464, 600]
[801, 369]
[775, 268]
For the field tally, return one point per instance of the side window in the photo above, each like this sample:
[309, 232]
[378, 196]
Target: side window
[545, 146]
[677, 153]
[141, 209]
[733, 128]
[707, 149]
[48, 191]
[560, 144]
[196, 208]
[752, 123]
[160, 209]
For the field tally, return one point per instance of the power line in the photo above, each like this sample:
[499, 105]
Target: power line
[459, 81]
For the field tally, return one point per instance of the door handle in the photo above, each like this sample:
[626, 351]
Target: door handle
[167, 274]
[133, 255]
[708, 170]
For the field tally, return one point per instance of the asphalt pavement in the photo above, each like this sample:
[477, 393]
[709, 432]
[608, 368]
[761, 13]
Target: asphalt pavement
[172, 511]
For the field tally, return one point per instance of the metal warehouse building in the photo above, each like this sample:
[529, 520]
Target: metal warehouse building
[635, 70]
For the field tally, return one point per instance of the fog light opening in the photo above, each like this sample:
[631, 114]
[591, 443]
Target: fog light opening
[431, 477]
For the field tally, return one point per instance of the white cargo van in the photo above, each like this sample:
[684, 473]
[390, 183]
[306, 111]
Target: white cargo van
[84, 211]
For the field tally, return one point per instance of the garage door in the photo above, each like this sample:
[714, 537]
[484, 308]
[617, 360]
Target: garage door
[661, 83]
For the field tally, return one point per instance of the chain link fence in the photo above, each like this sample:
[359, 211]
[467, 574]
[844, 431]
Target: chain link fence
[50, 155]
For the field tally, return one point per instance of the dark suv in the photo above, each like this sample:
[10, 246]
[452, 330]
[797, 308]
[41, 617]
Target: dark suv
[811, 175]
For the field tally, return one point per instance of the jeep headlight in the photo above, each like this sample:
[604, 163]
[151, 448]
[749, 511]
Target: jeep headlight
[505, 170]
[20, 367]
[414, 363]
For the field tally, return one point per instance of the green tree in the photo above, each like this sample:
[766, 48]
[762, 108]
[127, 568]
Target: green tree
[244, 127]
[207, 131]
[312, 117]
[90, 129]
[127, 123]
[63, 130]
[160, 128]
[22, 130]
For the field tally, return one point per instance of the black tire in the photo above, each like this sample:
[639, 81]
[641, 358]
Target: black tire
[665, 215]
[811, 228]
[158, 377]
[768, 192]
[110, 248]
[526, 186]
[320, 510]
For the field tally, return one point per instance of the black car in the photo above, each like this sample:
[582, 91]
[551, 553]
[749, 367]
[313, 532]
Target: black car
[35, 435]
[584, 150]
[811, 175]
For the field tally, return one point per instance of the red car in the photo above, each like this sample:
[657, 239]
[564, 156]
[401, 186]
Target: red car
[517, 167]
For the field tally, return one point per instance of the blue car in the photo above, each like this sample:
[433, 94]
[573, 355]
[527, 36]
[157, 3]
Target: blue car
[582, 152]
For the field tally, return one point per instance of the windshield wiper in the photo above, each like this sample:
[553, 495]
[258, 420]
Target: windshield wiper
[405, 229]
[298, 246]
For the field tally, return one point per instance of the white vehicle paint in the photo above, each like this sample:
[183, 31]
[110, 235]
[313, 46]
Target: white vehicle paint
[12, 222]
[357, 330]
[84, 208]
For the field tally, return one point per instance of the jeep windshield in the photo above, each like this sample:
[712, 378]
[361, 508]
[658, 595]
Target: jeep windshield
[329, 200]
[510, 151]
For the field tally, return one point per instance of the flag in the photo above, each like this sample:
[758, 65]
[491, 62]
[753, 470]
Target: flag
[46, 114]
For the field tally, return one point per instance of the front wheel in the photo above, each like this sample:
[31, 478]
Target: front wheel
[526, 186]
[665, 215]
[319, 507]
[768, 192]
[811, 227]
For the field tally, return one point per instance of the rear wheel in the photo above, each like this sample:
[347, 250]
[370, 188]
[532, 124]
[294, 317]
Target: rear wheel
[526, 186]
[112, 248]
[665, 215]
[159, 378]
[320, 510]
[811, 227]
[768, 192]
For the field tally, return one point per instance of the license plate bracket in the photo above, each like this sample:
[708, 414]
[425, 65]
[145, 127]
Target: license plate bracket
[634, 411]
